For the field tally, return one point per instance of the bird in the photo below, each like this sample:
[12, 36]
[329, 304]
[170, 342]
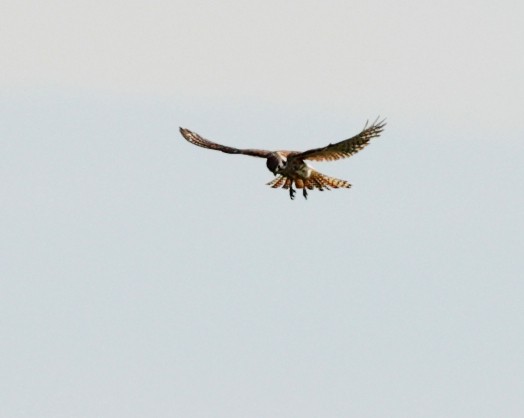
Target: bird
[290, 167]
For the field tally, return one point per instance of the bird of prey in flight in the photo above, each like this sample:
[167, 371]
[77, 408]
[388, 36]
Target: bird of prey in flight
[291, 167]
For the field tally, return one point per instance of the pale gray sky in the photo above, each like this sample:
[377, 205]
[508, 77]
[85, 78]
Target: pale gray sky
[142, 276]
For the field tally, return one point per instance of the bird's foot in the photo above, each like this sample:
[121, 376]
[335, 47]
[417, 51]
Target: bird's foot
[292, 193]
[304, 192]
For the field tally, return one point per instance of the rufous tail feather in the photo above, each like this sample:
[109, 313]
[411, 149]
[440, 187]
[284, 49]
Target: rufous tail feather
[315, 181]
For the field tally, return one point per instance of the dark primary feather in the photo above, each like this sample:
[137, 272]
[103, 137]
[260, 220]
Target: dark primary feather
[197, 140]
[346, 148]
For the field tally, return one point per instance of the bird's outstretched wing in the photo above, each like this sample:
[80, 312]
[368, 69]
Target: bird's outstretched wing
[346, 148]
[196, 139]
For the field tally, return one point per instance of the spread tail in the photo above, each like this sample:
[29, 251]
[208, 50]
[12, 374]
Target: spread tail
[315, 181]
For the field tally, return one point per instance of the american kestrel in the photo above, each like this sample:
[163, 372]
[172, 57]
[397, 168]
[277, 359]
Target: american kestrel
[290, 166]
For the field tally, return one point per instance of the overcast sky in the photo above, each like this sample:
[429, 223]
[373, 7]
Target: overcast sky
[143, 276]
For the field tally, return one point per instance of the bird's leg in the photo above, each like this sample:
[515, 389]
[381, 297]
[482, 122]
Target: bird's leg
[291, 192]
[304, 192]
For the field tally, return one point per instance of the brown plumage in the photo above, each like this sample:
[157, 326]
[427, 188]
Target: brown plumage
[290, 166]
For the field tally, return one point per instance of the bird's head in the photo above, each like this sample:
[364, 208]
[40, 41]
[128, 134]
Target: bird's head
[276, 163]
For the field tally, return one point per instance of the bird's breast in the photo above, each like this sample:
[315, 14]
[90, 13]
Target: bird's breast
[298, 169]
